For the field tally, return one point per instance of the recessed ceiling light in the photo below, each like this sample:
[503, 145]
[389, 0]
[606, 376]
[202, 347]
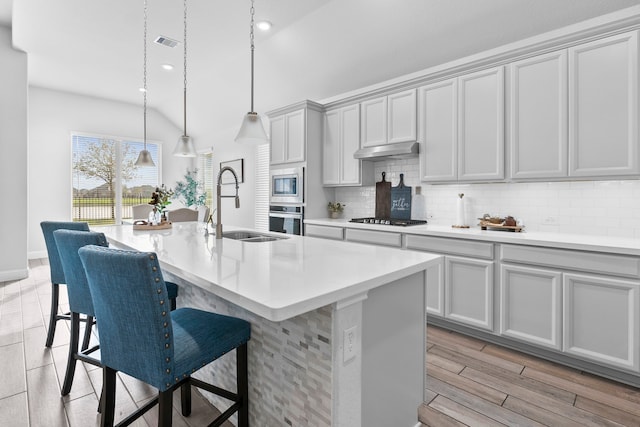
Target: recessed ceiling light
[141, 89]
[167, 67]
[264, 25]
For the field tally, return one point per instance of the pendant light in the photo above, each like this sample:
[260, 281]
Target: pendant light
[144, 158]
[185, 146]
[252, 131]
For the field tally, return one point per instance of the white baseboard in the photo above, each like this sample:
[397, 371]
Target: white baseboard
[37, 254]
[9, 275]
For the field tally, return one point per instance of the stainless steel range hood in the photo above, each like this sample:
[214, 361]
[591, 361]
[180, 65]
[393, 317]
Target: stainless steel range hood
[400, 150]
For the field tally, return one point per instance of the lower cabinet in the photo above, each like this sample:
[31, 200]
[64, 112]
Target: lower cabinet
[334, 233]
[531, 305]
[468, 291]
[602, 320]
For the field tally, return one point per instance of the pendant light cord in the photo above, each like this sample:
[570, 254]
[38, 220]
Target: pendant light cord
[144, 79]
[252, 49]
[185, 68]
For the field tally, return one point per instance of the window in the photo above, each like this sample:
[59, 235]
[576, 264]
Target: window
[205, 176]
[106, 182]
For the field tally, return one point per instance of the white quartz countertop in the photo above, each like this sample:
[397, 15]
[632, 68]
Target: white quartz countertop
[276, 280]
[618, 245]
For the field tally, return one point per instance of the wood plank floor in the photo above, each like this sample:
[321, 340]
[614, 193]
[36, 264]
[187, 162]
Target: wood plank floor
[470, 382]
[474, 383]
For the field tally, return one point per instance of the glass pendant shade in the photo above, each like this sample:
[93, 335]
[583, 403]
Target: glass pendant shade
[185, 147]
[252, 131]
[144, 159]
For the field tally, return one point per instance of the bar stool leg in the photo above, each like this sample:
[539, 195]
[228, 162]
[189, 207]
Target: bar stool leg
[165, 408]
[242, 376]
[185, 398]
[108, 398]
[88, 325]
[71, 359]
[53, 316]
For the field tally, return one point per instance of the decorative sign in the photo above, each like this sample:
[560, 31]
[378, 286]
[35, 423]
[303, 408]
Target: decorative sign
[401, 200]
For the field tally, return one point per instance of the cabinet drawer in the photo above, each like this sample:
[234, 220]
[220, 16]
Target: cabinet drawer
[374, 237]
[450, 246]
[335, 233]
[616, 265]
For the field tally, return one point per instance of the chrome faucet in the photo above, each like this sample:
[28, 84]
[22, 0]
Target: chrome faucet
[220, 196]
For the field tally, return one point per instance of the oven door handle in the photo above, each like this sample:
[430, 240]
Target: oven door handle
[285, 215]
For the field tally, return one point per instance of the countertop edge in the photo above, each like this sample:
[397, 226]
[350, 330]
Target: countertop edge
[593, 243]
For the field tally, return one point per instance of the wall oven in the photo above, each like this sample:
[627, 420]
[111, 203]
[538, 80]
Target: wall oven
[286, 219]
[287, 186]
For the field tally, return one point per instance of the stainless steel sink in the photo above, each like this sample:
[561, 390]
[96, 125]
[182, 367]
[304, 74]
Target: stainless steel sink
[250, 236]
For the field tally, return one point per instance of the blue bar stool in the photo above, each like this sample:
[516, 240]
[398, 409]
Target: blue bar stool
[140, 337]
[55, 266]
[68, 242]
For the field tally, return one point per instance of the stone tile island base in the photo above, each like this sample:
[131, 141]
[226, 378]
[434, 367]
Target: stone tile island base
[300, 373]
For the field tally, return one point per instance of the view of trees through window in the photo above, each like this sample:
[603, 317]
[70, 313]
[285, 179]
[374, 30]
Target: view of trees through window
[106, 181]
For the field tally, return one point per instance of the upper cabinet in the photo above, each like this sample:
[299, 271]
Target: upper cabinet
[538, 116]
[341, 139]
[388, 119]
[461, 128]
[603, 107]
[288, 137]
[574, 113]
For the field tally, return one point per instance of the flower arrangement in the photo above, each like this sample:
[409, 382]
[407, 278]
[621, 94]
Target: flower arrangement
[190, 191]
[160, 198]
[336, 207]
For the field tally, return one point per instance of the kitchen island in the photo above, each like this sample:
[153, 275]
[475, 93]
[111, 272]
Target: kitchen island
[338, 330]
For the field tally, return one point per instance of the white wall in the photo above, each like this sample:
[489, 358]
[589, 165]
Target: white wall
[13, 160]
[53, 115]
[609, 208]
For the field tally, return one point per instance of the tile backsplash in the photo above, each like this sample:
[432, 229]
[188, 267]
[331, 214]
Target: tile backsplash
[610, 208]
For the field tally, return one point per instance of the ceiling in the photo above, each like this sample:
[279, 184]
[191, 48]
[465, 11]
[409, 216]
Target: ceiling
[317, 49]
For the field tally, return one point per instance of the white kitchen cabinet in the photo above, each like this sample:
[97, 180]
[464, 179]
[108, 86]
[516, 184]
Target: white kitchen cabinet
[389, 119]
[341, 139]
[461, 128]
[438, 127]
[325, 232]
[531, 305]
[468, 291]
[435, 289]
[538, 116]
[373, 237]
[481, 125]
[288, 137]
[602, 320]
[603, 107]
[374, 122]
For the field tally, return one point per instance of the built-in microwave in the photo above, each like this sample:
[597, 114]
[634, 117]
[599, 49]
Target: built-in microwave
[287, 185]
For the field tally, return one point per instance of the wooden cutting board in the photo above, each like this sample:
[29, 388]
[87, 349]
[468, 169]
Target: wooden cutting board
[401, 200]
[383, 198]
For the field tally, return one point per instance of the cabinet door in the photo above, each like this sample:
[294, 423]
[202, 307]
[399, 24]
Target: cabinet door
[438, 120]
[469, 291]
[530, 305]
[601, 320]
[331, 148]
[373, 130]
[296, 136]
[435, 289]
[334, 233]
[401, 117]
[278, 137]
[538, 116]
[350, 167]
[481, 126]
[603, 107]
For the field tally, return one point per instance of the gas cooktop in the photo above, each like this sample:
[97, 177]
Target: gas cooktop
[389, 221]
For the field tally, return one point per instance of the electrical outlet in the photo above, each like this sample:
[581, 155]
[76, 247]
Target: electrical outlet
[550, 220]
[349, 348]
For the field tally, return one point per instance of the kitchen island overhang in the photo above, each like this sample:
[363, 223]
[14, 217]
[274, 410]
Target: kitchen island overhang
[338, 328]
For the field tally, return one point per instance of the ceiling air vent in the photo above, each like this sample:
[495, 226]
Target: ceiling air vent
[166, 41]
